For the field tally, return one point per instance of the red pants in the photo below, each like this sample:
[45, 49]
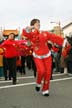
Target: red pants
[43, 71]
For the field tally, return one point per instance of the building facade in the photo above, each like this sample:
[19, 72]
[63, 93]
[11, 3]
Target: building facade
[67, 29]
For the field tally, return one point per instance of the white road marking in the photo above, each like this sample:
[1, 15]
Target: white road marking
[32, 83]
[59, 74]
[62, 79]
[28, 77]
[18, 78]
[25, 77]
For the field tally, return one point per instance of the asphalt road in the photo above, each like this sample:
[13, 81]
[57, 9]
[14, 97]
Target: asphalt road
[23, 95]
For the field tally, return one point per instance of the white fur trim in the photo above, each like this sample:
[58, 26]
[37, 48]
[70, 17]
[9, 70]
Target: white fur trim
[38, 85]
[64, 43]
[42, 56]
[45, 92]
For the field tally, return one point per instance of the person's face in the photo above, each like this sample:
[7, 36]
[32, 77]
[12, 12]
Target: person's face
[37, 25]
[11, 36]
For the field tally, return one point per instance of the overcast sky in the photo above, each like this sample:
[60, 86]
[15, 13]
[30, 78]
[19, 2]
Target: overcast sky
[18, 13]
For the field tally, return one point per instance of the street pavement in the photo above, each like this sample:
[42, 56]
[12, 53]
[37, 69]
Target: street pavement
[23, 95]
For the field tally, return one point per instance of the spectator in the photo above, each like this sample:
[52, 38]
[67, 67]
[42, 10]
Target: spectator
[1, 64]
[10, 47]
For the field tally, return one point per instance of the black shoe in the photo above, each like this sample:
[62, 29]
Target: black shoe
[14, 83]
[6, 79]
[37, 89]
[51, 78]
[34, 75]
[9, 78]
[47, 94]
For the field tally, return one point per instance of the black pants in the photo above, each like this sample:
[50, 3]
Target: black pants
[69, 67]
[19, 69]
[23, 65]
[12, 68]
[29, 61]
[62, 70]
[5, 67]
[31, 64]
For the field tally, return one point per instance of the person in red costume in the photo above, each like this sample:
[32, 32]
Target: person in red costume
[23, 50]
[10, 47]
[41, 53]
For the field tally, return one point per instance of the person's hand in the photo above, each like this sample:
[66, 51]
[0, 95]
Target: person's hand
[32, 27]
[29, 29]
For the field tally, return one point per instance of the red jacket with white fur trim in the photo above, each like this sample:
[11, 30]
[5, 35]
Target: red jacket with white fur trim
[39, 41]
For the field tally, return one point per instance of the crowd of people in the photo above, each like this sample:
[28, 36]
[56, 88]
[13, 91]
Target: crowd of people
[42, 51]
[14, 54]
